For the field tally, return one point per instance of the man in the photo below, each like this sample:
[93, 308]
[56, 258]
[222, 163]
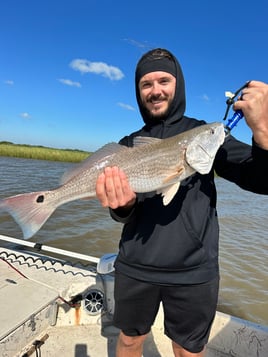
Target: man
[169, 254]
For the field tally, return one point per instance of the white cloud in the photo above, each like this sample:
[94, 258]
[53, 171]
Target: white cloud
[85, 66]
[206, 97]
[9, 82]
[68, 82]
[126, 106]
[25, 115]
[137, 43]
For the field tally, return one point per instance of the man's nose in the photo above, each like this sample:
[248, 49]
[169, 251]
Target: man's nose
[156, 89]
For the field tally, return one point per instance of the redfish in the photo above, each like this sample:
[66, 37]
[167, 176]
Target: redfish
[150, 165]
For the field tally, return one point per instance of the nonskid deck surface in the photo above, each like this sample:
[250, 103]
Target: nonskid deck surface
[89, 341]
[20, 298]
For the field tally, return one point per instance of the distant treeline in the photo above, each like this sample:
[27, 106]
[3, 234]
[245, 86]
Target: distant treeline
[41, 152]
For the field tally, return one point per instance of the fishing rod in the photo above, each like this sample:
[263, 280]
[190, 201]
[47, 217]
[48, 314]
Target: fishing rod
[238, 114]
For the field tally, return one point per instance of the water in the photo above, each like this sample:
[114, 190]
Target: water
[86, 227]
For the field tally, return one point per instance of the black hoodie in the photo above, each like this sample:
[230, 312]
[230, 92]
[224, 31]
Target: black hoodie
[178, 243]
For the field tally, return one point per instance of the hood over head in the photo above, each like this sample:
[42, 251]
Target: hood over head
[162, 60]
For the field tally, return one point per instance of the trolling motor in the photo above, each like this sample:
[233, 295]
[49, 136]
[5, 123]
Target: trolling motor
[238, 114]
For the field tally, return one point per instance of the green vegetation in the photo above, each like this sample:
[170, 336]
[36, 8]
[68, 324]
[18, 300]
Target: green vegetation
[41, 152]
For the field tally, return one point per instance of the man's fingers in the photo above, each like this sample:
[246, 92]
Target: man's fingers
[113, 190]
[101, 190]
[113, 187]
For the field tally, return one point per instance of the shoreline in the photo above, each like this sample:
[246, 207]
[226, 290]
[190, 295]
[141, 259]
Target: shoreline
[41, 152]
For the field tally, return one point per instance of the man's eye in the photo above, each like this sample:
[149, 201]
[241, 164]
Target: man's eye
[165, 81]
[146, 85]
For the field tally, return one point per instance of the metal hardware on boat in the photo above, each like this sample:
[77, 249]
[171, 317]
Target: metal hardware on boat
[36, 346]
[53, 313]
[32, 323]
[94, 301]
[46, 248]
[76, 300]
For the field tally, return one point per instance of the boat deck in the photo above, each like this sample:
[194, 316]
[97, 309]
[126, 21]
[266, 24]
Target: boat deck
[90, 342]
[20, 298]
[26, 301]
[35, 297]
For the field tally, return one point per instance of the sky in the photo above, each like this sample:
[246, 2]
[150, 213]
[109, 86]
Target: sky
[67, 67]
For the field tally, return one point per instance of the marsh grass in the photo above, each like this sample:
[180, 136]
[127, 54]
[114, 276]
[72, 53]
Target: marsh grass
[41, 152]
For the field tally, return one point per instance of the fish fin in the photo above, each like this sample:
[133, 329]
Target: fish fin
[29, 210]
[169, 192]
[100, 155]
[145, 140]
[174, 176]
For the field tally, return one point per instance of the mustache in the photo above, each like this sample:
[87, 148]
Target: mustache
[154, 97]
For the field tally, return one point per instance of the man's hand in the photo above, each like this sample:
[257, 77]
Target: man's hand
[254, 105]
[113, 189]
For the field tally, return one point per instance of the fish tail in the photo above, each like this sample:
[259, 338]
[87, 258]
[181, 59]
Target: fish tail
[29, 210]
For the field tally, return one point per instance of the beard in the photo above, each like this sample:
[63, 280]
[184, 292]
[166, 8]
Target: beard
[156, 116]
[162, 115]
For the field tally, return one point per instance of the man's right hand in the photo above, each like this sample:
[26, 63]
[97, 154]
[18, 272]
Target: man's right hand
[113, 189]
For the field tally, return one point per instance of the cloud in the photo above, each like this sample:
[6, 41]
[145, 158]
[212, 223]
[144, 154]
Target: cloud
[126, 106]
[68, 82]
[205, 97]
[85, 66]
[137, 43]
[25, 115]
[9, 82]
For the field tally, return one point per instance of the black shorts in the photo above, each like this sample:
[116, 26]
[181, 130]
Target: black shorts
[189, 310]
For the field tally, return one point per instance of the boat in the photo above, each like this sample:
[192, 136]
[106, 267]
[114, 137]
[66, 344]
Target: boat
[60, 303]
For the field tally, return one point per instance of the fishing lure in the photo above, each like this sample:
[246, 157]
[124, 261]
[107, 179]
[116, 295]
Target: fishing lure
[238, 114]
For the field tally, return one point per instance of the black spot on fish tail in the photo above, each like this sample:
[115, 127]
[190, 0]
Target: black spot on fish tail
[40, 199]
